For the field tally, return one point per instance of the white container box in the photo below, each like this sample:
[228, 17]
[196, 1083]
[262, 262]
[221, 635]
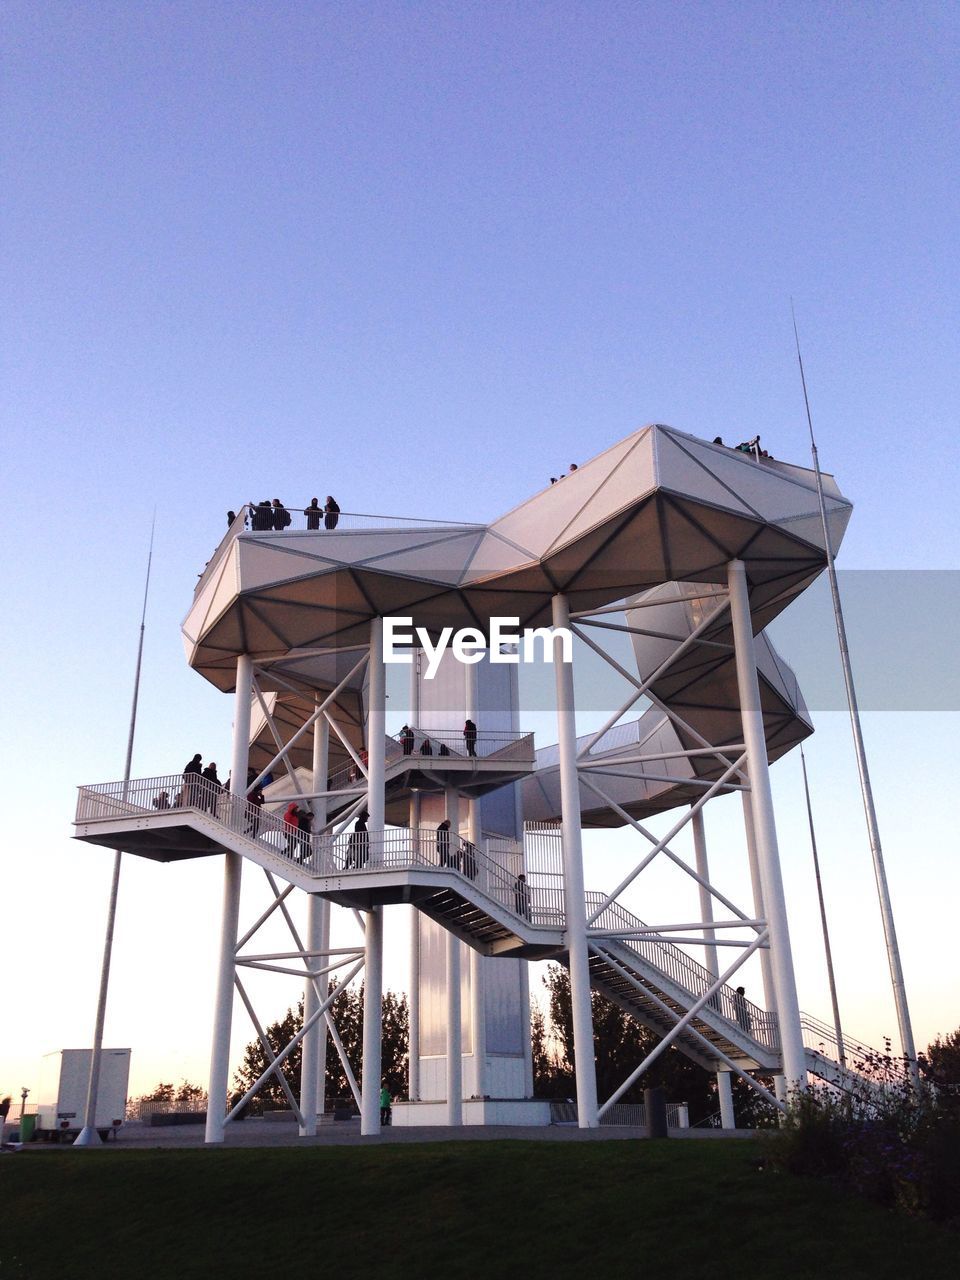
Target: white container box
[64, 1079]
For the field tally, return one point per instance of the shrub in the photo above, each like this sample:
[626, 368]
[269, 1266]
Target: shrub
[887, 1136]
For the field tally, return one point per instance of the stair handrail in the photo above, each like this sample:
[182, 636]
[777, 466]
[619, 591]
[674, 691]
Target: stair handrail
[819, 1035]
[761, 1025]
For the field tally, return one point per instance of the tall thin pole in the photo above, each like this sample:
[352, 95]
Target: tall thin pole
[88, 1135]
[869, 809]
[831, 978]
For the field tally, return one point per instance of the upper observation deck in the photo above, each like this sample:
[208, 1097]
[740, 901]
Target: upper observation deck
[660, 506]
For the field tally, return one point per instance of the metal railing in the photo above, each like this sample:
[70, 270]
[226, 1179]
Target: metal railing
[432, 749]
[251, 517]
[822, 1039]
[635, 1113]
[541, 906]
[260, 518]
[144, 1108]
[322, 854]
[693, 978]
[623, 1113]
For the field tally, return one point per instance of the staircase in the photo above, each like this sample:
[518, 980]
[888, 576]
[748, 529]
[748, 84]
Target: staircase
[470, 893]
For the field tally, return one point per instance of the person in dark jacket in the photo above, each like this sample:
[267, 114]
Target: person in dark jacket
[255, 800]
[470, 737]
[313, 513]
[741, 1010]
[191, 780]
[425, 748]
[281, 516]
[212, 788]
[407, 740]
[363, 840]
[521, 897]
[261, 516]
[331, 513]
[443, 843]
[358, 846]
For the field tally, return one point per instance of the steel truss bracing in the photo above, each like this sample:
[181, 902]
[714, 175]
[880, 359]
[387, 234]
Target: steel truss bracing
[734, 774]
[315, 974]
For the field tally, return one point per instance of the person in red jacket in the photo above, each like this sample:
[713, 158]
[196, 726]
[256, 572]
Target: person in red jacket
[291, 827]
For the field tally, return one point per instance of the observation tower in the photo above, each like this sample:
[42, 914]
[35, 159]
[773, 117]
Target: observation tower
[686, 548]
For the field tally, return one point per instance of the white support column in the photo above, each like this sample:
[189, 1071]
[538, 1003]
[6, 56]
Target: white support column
[527, 1039]
[376, 738]
[711, 959]
[313, 1062]
[413, 1056]
[728, 1118]
[230, 915]
[372, 1005]
[573, 893]
[454, 1013]
[766, 973]
[454, 1038]
[373, 972]
[478, 1020]
[781, 960]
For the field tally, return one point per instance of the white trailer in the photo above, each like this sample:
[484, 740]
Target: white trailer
[64, 1079]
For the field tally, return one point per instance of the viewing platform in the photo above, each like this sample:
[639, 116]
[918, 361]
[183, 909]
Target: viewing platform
[472, 892]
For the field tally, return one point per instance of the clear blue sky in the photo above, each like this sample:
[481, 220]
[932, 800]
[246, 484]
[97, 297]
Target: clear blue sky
[422, 256]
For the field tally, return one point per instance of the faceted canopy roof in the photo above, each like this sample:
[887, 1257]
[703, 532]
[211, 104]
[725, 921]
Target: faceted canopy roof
[661, 506]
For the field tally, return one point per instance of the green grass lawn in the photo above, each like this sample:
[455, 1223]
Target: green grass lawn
[499, 1209]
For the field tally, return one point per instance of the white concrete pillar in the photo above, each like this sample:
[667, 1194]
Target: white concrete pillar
[230, 914]
[711, 958]
[373, 971]
[781, 960]
[413, 1005]
[725, 1097]
[454, 1025]
[313, 1063]
[766, 973]
[478, 1018]
[454, 1038]
[573, 892]
[376, 740]
[372, 1014]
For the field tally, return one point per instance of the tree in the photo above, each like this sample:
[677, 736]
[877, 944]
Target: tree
[941, 1065]
[162, 1093]
[188, 1092]
[347, 1012]
[620, 1045]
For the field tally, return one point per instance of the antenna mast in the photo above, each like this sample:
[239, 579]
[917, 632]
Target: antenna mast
[88, 1135]
[873, 830]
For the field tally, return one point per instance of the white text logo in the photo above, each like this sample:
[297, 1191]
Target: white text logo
[506, 643]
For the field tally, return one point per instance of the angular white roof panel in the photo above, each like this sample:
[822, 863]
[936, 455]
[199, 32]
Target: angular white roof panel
[655, 507]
